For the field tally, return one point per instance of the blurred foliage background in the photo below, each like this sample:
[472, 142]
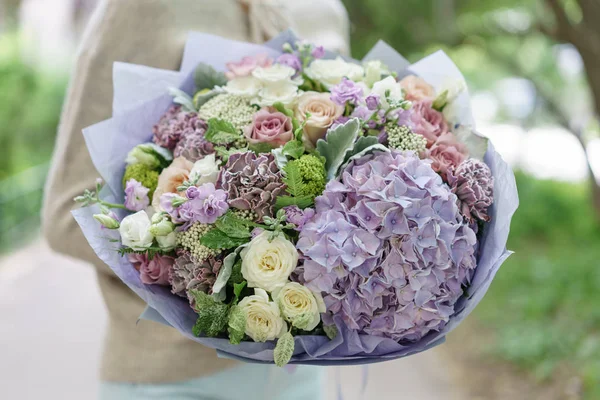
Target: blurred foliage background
[531, 65]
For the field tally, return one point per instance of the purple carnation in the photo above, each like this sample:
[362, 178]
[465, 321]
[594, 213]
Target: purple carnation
[188, 274]
[473, 184]
[295, 215]
[346, 92]
[388, 247]
[176, 125]
[291, 60]
[192, 145]
[136, 196]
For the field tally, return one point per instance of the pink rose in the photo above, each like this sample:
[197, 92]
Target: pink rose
[428, 122]
[246, 65]
[153, 271]
[446, 153]
[269, 126]
[417, 89]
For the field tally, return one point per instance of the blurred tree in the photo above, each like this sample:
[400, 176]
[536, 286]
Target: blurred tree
[495, 39]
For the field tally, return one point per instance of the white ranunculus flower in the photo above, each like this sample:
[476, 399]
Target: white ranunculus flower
[167, 242]
[135, 231]
[243, 86]
[331, 72]
[274, 74]
[374, 70]
[267, 264]
[205, 170]
[299, 306]
[284, 92]
[263, 317]
[387, 89]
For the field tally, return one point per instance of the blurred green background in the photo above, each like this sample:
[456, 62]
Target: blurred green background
[533, 68]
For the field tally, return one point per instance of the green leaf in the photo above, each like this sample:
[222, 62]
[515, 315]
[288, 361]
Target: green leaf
[362, 143]
[221, 132]
[440, 101]
[212, 315]
[233, 226]
[301, 321]
[294, 149]
[206, 77]
[375, 147]
[284, 350]
[302, 201]
[181, 97]
[260, 148]
[280, 158]
[236, 274]
[338, 142]
[217, 239]
[224, 153]
[293, 180]
[331, 331]
[203, 96]
[279, 106]
[236, 325]
[238, 287]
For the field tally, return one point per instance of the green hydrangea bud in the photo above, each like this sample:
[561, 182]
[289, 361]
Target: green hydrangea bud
[312, 171]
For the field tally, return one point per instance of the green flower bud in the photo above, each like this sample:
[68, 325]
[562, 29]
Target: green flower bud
[163, 227]
[107, 221]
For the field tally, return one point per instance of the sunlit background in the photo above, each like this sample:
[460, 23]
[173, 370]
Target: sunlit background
[531, 67]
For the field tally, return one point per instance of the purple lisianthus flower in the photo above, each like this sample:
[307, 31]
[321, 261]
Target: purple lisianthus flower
[346, 92]
[206, 206]
[295, 215]
[372, 102]
[291, 60]
[136, 196]
[318, 52]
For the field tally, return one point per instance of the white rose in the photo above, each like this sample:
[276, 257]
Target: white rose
[284, 92]
[274, 74]
[263, 317]
[205, 170]
[268, 264]
[374, 70]
[299, 306]
[243, 86]
[388, 90]
[135, 231]
[167, 242]
[331, 72]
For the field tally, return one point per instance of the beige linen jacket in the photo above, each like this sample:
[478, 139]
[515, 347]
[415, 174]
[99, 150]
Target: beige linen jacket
[151, 32]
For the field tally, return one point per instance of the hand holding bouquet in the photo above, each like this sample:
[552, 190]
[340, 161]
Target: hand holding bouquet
[288, 205]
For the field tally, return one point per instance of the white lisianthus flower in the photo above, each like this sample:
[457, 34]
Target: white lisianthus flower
[331, 72]
[388, 90]
[374, 70]
[274, 74]
[267, 264]
[205, 170]
[299, 306]
[243, 86]
[263, 317]
[135, 231]
[284, 92]
[148, 154]
[167, 242]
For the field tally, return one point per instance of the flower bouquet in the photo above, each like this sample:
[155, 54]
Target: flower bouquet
[283, 204]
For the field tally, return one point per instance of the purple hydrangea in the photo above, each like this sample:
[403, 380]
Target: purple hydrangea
[388, 247]
[473, 184]
[295, 215]
[346, 92]
[136, 196]
[187, 274]
[176, 125]
[252, 182]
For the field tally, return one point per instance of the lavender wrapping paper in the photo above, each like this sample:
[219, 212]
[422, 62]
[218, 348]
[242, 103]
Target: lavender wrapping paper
[140, 99]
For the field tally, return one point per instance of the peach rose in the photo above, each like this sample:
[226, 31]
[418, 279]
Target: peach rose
[417, 89]
[447, 153]
[323, 113]
[171, 178]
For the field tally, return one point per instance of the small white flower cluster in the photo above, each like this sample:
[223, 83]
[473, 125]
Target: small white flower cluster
[232, 108]
[402, 138]
[190, 240]
[247, 215]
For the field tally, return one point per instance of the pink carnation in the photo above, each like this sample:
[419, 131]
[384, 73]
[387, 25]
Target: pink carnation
[428, 122]
[246, 65]
[447, 152]
[153, 271]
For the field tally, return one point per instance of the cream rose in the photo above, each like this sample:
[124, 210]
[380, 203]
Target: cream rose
[263, 317]
[135, 231]
[267, 264]
[388, 90]
[171, 178]
[205, 170]
[299, 306]
[331, 72]
[323, 112]
[417, 89]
